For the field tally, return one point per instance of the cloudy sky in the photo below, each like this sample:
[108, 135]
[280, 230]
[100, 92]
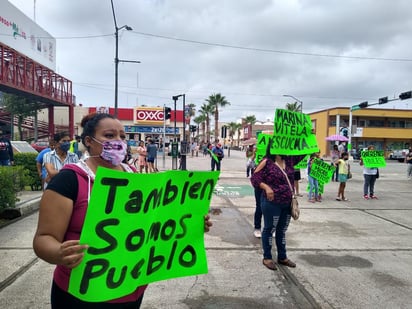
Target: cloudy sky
[326, 53]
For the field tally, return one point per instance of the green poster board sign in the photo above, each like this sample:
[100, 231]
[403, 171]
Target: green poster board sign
[142, 228]
[292, 134]
[303, 163]
[322, 171]
[321, 188]
[261, 146]
[373, 158]
[213, 156]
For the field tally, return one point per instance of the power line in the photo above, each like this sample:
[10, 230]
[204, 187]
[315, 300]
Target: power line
[286, 52]
[271, 50]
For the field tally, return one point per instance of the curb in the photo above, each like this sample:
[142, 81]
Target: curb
[27, 207]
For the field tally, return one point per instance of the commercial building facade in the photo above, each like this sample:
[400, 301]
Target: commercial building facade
[386, 129]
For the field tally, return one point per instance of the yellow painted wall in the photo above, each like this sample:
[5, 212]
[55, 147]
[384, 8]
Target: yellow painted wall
[321, 119]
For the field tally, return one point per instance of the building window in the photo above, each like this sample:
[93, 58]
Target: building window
[375, 123]
[394, 123]
[408, 124]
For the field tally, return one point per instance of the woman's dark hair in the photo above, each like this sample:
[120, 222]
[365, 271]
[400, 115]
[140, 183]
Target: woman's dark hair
[268, 154]
[343, 154]
[58, 136]
[90, 122]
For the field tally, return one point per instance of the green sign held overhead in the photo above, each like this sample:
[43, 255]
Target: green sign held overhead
[373, 158]
[142, 228]
[292, 134]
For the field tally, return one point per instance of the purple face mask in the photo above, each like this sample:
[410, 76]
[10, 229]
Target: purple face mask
[113, 152]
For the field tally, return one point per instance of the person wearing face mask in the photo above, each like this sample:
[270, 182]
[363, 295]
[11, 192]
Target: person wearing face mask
[63, 209]
[54, 160]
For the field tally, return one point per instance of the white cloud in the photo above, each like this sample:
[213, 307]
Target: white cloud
[251, 79]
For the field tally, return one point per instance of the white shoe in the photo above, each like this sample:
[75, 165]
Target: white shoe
[257, 233]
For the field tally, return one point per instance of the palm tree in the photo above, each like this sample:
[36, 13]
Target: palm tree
[233, 128]
[200, 121]
[216, 101]
[250, 119]
[293, 107]
[205, 111]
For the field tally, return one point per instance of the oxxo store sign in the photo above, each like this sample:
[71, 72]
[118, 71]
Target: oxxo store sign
[148, 115]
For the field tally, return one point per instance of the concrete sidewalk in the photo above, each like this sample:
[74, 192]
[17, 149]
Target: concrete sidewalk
[353, 254]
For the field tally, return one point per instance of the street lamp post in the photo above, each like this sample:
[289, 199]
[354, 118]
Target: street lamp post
[183, 144]
[297, 100]
[117, 60]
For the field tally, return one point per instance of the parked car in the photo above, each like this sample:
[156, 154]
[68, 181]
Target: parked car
[40, 145]
[399, 155]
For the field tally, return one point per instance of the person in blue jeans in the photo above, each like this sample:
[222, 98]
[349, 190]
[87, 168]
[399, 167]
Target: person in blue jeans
[369, 176]
[277, 191]
[218, 152]
[257, 218]
[313, 182]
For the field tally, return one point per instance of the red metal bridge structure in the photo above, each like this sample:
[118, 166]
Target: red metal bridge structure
[22, 76]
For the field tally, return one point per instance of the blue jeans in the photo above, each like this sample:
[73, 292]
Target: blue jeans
[313, 187]
[215, 164]
[258, 210]
[276, 217]
[4, 162]
[369, 184]
[336, 174]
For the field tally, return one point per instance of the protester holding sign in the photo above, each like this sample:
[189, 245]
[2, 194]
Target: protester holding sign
[369, 176]
[275, 202]
[313, 182]
[217, 156]
[63, 209]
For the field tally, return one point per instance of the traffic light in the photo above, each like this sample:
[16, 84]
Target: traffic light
[168, 113]
[383, 100]
[344, 132]
[363, 104]
[224, 132]
[405, 95]
[193, 128]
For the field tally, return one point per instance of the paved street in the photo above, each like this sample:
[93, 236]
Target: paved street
[354, 254]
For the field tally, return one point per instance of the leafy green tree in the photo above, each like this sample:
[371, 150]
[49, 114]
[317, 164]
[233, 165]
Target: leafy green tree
[216, 101]
[20, 107]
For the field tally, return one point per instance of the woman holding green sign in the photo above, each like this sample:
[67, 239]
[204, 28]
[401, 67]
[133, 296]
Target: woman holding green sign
[63, 209]
[369, 176]
[274, 176]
